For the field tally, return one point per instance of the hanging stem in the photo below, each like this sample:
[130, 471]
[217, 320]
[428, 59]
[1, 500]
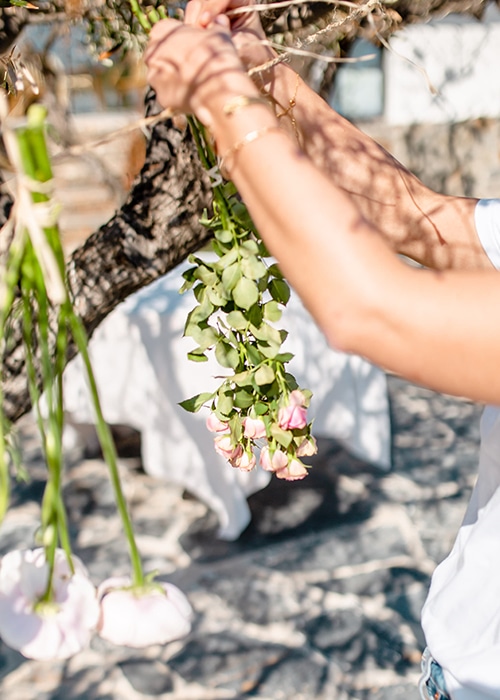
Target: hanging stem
[49, 348]
[109, 451]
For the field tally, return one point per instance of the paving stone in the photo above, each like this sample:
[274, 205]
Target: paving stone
[147, 677]
[319, 598]
[226, 661]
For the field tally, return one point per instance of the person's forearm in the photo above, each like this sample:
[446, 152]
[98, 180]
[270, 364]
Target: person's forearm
[363, 297]
[431, 228]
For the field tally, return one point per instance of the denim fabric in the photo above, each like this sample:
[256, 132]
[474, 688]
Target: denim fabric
[432, 685]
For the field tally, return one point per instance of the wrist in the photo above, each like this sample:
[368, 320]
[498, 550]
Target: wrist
[233, 108]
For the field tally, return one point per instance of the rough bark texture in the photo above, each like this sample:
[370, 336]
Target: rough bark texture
[157, 227]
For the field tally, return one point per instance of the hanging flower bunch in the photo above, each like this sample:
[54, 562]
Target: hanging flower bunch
[49, 608]
[240, 296]
[258, 409]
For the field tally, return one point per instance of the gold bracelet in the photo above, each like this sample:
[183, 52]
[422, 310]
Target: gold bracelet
[248, 138]
[241, 101]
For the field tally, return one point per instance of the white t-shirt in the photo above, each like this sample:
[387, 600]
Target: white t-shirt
[461, 617]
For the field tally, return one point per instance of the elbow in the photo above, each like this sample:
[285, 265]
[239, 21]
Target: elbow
[358, 326]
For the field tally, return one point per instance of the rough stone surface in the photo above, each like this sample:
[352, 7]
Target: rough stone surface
[319, 598]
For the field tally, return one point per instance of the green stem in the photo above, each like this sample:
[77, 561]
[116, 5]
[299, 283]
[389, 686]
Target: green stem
[109, 451]
[203, 148]
[140, 15]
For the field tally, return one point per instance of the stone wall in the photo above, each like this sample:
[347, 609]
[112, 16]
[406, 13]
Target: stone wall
[459, 159]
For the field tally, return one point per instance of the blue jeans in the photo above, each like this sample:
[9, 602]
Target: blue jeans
[432, 685]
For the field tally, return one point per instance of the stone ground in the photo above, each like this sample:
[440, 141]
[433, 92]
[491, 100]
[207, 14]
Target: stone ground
[319, 598]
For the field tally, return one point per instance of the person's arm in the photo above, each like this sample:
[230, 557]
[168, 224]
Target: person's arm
[435, 230]
[438, 328]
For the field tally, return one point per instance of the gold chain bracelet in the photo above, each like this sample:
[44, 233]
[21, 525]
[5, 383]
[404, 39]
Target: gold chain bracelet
[247, 139]
[242, 101]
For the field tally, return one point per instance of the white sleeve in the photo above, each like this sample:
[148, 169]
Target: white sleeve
[487, 218]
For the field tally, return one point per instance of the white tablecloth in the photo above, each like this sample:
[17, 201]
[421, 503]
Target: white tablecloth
[142, 372]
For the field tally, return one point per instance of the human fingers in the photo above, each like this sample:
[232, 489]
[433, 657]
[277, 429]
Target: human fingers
[192, 11]
[185, 63]
[202, 13]
[169, 42]
[158, 35]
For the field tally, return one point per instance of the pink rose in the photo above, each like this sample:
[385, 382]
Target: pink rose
[294, 415]
[254, 428]
[245, 461]
[215, 425]
[224, 446]
[56, 629]
[307, 447]
[156, 614]
[272, 462]
[294, 471]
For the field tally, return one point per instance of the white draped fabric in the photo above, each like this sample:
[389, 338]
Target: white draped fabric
[142, 372]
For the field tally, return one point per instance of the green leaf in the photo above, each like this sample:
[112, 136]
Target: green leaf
[204, 220]
[224, 236]
[292, 382]
[199, 292]
[284, 437]
[243, 378]
[235, 428]
[264, 375]
[197, 356]
[225, 404]
[254, 354]
[237, 320]
[189, 275]
[272, 311]
[241, 213]
[279, 290]
[253, 268]
[208, 337]
[186, 286]
[269, 350]
[189, 278]
[275, 271]
[228, 259]
[202, 311]
[226, 355]
[206, 275]
[261, 408]
[217, 295]
[196, 402]
[231, 276]
[245, 293]
[254, 315]
[284, 357]
[204, 336]
[243, 399]
[267, 333]
[249, 247]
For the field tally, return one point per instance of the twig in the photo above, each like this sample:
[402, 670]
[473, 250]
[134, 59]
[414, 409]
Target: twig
[139, 124]
[263, 7]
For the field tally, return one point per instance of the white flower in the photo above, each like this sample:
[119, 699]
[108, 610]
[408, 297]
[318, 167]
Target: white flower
[156, 614]
[50, 630]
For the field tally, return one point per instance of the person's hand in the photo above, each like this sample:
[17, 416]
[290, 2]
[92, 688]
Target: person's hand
[187, 64]
[201, 13]
[247, 32]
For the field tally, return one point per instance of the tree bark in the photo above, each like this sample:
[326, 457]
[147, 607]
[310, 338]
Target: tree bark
[156, 228]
